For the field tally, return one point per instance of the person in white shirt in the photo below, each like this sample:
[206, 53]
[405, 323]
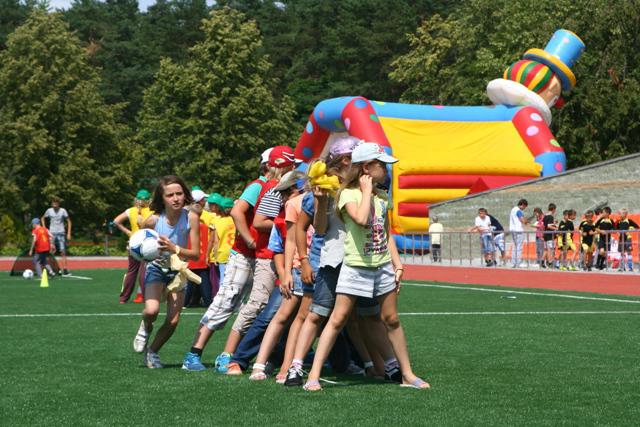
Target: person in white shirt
[57, 218]
[517, 221]
[483, 226]
[435, 239]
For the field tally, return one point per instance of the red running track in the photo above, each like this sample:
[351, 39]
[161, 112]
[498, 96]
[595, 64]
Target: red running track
[595, 282]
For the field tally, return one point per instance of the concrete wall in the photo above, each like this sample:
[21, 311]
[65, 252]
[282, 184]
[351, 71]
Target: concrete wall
[615, 183]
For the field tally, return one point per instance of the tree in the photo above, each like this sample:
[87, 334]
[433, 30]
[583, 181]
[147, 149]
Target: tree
[57, 135]
[14, 13]
[452, 59]
[209, 118]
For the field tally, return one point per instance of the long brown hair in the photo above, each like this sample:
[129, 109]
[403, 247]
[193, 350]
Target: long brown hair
[157, 202]
[351, 180]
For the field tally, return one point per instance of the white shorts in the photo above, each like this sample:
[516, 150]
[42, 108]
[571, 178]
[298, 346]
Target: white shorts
[549, 244]
[369, 282]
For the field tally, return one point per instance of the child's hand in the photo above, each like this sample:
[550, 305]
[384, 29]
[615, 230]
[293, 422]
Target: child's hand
[306, 272]
[398, 278]
[164, 244]
[366, 184]
[286, 286]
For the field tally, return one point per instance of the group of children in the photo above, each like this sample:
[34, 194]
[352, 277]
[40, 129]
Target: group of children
[310, 256]
[596, 238]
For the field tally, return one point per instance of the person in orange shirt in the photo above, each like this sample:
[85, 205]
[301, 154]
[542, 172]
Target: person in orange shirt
[41, 243]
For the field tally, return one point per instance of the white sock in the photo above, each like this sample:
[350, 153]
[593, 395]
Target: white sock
[297, 363]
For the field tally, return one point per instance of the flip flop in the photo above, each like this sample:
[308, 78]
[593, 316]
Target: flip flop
[311, 385]
[417, 383]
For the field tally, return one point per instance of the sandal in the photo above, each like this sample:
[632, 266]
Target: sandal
[312, 385]
[417, 383]
[258, 372]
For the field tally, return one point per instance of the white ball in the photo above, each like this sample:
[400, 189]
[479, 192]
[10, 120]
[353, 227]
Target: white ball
[27, 274]
[143, 245]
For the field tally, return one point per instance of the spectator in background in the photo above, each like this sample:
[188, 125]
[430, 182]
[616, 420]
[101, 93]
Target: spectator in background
[517, 221]
[483, 226]
[550, 226]
[625, 245]
[57, 218]
[603, 228]
[136, 215]
[565, 241]
[199, 266]
[41, 243]
[498, 238]
[435, 239]
[539, 225]
[587, 232]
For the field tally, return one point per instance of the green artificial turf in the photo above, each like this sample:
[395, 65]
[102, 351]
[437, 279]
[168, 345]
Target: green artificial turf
[485, 369]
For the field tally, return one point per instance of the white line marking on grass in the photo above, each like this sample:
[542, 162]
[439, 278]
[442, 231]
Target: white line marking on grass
[428, 313]
[505, 291]
[71, 276]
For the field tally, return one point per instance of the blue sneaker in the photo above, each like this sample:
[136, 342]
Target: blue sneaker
[222, 362]
[192, 362]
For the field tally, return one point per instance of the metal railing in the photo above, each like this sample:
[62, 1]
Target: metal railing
[463, 248]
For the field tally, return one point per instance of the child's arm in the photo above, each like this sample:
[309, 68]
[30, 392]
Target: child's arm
[238, 214]
[262, 223]
[149, 222]
[359, 213]
[320, 220]
[212, 244]
[278, 260]
[33, 244]
[395, 256]
[118, 221]
[289, 249]
[301, 227]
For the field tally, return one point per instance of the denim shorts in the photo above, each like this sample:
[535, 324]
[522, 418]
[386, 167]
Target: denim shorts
[60, 242]
[158, 275]
[324, 293]
[498, 241]
[299, 287]
[487, 244]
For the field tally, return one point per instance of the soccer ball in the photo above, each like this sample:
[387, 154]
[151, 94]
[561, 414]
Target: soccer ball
[27, 274]
[143, 245]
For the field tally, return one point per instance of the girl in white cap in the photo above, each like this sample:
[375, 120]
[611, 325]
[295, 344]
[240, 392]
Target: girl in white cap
[372, 266]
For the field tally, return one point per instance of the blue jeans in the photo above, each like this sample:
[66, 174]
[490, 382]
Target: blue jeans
[250, 344]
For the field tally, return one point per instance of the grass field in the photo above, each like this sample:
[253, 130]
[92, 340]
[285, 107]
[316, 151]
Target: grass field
[493, 357]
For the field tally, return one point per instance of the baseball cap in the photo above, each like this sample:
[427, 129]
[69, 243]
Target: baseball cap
[198, 195]
[143, 194]
[288, 180]
[281, 156]
[215, 198]
[343, 145]
[370, 151]
[264, 157]
[227, 203]
[35, 221]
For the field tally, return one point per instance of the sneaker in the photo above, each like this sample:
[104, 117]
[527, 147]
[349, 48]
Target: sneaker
[354, 369]
[192, 362]
[294, 377]
[393, 374]
[563, 268]
[152, 360]
[234, 369]
[139, 299]
[140, 340]
[222, 362]
[66, 272]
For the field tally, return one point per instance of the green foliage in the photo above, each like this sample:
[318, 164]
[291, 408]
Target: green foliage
[209, 118]
[452, 59]
[57, 135]
[11, 234]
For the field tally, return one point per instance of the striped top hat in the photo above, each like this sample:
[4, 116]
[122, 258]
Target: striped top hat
[560, 54]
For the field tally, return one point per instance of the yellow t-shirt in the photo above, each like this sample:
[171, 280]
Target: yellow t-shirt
[133, 217]
[226, 231]
[207, 218]
[365, 246]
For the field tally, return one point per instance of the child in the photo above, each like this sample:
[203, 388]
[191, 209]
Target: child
[221, 238]
[539, 224]
[372, 266]
[550, 226]
[178, 228]
[587, 231]
[565, 241]
[604, 226]
[626, 244]
[135, 215]
[483, 225]
[42, 244]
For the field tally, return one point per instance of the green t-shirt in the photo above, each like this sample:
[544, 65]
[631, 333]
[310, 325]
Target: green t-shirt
[365, 246]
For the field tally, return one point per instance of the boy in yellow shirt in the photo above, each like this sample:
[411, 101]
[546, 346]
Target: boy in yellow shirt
[222, 238]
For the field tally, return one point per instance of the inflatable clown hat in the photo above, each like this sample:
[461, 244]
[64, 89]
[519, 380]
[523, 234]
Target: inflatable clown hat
[560, 54]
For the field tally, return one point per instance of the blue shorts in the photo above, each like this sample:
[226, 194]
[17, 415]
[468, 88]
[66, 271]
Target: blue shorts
[60, 242]
[498, 241]
[158, 275]
[299, 287]
[324, 293]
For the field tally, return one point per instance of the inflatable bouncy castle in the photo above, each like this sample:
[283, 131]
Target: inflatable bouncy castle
[449, 152]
